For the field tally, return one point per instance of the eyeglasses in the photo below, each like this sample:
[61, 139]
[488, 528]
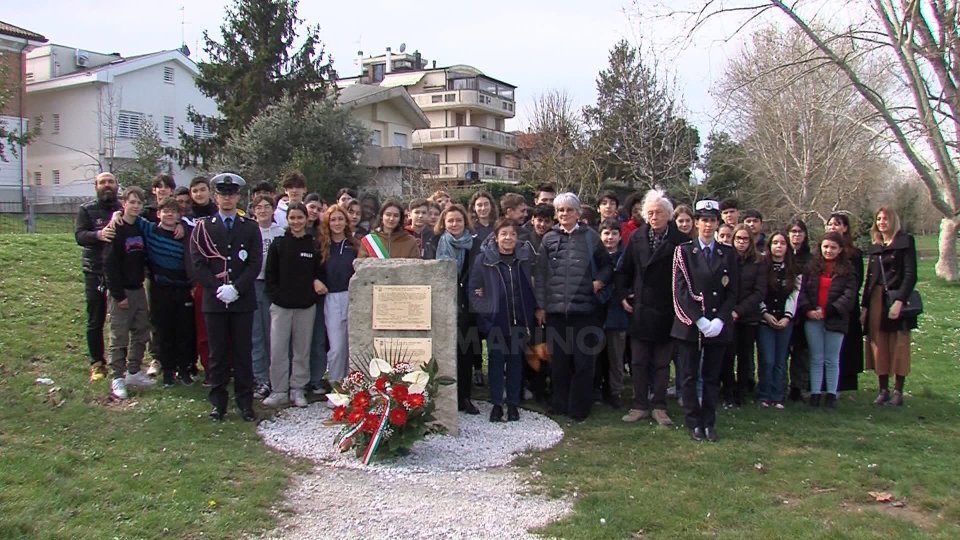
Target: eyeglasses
[563, 210]
[796, 231]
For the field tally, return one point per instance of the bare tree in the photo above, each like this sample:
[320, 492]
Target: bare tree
[811, 143]
[559, 149]
[920, 114]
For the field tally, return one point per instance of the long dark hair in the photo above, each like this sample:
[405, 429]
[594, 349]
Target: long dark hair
[383, 208]
[848, 246]
[841, 265]
[790, 270]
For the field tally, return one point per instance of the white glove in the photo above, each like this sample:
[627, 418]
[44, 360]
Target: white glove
[716, 327]
[227, 294]
[703, 324]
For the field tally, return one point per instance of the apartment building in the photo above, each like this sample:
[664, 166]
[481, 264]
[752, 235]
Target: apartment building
[467, 110]
[92, 106]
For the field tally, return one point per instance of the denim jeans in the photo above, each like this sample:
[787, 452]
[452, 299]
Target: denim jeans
[505, 358]
[318, 348]
[772, 347]
[261, 334]
[824, 356]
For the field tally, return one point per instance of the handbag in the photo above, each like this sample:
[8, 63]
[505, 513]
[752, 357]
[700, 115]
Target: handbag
[537, 352]
[912, 307]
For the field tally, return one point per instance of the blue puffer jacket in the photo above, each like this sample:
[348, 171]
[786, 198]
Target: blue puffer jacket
[564, 273]
[501, 296]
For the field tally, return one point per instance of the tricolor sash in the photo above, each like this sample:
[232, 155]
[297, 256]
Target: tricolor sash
[374, 246]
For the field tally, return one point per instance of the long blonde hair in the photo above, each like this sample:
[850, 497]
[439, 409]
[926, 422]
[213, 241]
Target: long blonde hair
[875, 235]
[324, 235]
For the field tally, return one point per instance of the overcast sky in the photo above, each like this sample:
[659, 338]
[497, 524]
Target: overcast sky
[535, 44]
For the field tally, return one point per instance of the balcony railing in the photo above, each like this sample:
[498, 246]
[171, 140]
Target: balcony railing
[453, 99]
[465, 135]
[485, 172]
[398, 157]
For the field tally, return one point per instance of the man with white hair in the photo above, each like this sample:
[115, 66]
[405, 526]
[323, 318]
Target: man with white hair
[644, 283]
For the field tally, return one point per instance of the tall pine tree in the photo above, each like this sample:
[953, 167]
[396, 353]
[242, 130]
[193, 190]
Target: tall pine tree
[253, 66]
[636, 119]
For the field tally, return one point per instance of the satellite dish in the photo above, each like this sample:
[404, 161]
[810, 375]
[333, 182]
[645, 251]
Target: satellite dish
[403, 47]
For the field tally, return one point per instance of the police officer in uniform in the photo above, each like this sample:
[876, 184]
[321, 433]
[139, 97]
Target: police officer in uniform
[705, 278]
[226, 252]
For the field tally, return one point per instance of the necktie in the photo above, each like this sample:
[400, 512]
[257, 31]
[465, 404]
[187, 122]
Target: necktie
[229, 223]
[708, 253]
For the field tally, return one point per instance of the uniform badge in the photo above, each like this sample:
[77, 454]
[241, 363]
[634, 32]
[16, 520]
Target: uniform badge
[725, 280]
[696, 250]
[243, 257]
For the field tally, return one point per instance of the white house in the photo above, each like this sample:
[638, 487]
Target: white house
[92, 106]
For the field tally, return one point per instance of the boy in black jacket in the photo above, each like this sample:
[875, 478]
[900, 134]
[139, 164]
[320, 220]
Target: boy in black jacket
[129, 320]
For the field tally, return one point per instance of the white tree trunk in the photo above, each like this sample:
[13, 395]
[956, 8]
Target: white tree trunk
[947, 263]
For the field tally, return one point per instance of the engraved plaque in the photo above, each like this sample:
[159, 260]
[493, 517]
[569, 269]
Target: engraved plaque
[401, 307]
[417, 351]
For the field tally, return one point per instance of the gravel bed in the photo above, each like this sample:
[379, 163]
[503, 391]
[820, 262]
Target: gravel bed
[447, 487]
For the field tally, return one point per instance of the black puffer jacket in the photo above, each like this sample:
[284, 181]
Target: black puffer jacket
[92, 217]
[841, 299]
[564, 275]
[753, 289]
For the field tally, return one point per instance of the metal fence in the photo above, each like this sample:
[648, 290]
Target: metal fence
[16, 218]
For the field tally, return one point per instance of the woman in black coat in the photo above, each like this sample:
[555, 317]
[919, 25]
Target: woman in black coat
[737, 383]
[827, 302]
[452, 241]
[892, 267]
[851, 354]
[799, 352]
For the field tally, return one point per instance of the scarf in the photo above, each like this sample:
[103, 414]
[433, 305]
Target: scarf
[454, 248]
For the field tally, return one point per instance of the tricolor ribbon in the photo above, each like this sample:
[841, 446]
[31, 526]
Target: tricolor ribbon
[343, 440]
[374, 246]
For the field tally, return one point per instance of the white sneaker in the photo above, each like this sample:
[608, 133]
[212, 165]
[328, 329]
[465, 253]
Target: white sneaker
[139, 379]
[118, 389]
[297, 397]
[154, 368]
[276, 399]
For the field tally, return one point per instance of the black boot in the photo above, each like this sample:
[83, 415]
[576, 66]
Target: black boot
[468, 407]
[513, 414]
[831, 401]
[814, 400]
[496, 414]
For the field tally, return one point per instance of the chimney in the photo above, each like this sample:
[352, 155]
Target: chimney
[389, 66]
[434, 64]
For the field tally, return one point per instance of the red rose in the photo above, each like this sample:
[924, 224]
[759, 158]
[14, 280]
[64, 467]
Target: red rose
[360, 400]
[339, 412]
[399, 392]
[398, 417]
[381, 384]
[413, 401]
[355, 415]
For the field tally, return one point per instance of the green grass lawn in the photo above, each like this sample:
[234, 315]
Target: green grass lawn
[74, 466]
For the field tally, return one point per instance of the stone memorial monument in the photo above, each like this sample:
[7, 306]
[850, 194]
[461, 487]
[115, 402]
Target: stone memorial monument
[409, 303]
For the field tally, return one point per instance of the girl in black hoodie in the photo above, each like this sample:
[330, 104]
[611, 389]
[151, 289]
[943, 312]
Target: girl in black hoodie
[294, 275]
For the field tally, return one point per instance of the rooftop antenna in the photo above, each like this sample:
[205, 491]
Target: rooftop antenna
[183, 23]
[403, 47]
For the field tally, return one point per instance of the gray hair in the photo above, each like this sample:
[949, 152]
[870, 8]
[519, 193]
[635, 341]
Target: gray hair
[657, 196]
[567, 199]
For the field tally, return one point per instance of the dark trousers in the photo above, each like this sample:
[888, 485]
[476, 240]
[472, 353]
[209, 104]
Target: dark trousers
[650, 366]
[469, 355]
[228, 332]
[171, 312]
[696, 412]
[574, 341]
[505, 363]
[738, 376]
[94, 290]
[799, 361]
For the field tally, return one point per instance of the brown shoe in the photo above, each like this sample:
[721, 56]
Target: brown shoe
[634, 415]
[660, 415]
[882, 397]
[896, 400]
